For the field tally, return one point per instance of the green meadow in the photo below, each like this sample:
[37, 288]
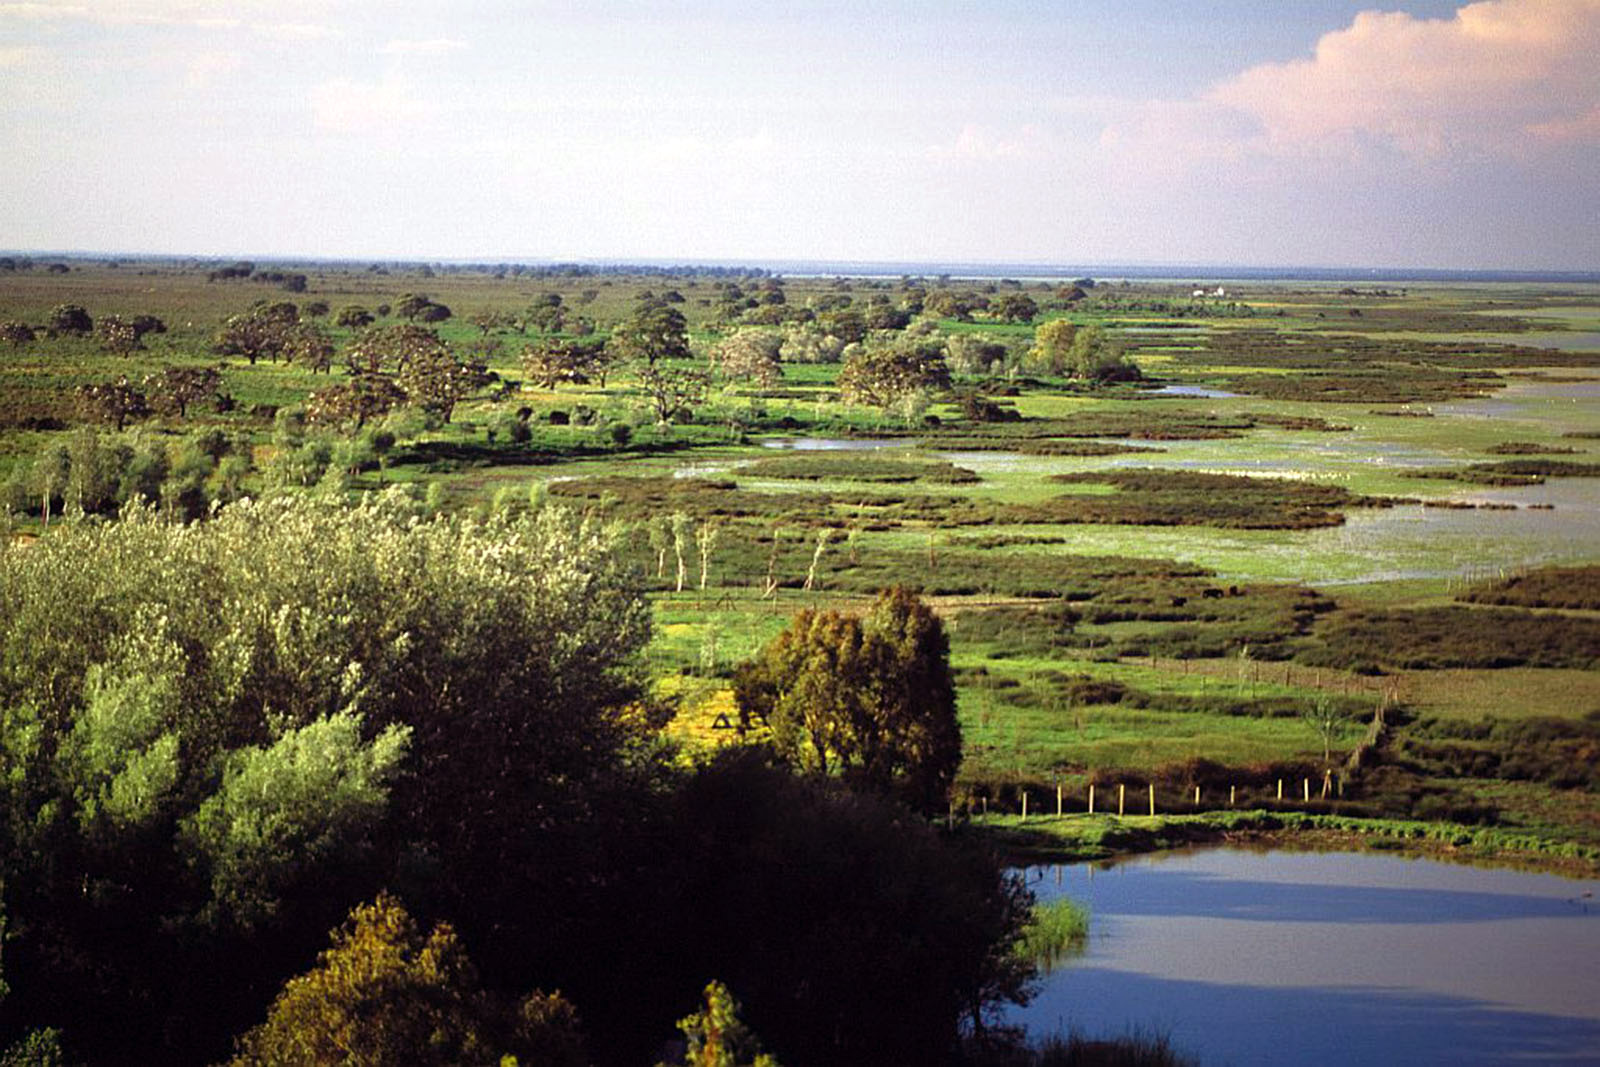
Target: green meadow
[1308, 498]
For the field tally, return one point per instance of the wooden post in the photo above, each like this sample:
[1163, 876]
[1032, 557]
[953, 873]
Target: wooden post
[1152, 798]
[1280, 788]
[1122, 793]
[1025, 803]
[1058, 800]
[1091, 798]
[1197, 796]
[986, 804]
[1233, 792]
[1308, 790]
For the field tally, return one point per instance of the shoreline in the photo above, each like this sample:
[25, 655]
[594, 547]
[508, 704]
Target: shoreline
[1091, 838]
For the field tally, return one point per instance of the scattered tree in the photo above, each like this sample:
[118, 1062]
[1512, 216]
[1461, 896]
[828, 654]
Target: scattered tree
[887, 376]
[17, 333]
[174, 389]
[69, 319]
[119, 402]
[263, 332]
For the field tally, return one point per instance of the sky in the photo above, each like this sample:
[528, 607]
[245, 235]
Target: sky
[1416, 134]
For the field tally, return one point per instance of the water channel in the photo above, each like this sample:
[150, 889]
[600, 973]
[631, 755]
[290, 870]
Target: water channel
[1244, 957]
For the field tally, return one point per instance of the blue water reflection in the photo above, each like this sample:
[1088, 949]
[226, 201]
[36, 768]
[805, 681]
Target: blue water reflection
[1253, 957]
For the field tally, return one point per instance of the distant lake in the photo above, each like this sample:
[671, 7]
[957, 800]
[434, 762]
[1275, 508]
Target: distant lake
[1320, 958]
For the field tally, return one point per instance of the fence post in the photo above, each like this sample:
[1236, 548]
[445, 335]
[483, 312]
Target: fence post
[1280, 788]
[1122, 794]
[1308, 791]
[1058, 800]
[1091, 798]
[1024, 803]
[1197, 796]
[1233, 792]
[1152, 798]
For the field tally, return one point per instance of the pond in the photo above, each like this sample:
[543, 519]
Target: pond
[1285, 957]
[837, 444]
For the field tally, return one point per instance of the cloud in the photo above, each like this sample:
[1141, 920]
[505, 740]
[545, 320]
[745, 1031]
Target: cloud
[1482, 80]
[40, 11]
[348, 106]
[1502, 77]
[205, 69]
[978, 144]
[436, 46]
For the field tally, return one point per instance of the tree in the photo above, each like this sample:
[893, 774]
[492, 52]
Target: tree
[1052, 347]
[886, 376]
[311, 346]
[717, 1037]
[1014, 307]
[418, 306]
[386, 996]
[69, 319]
[870, 699]
[262, 332]
[353, 317]
[387, 349]
[1098, 358]
[17, 333]
[552, 361]
[749, 355]
[672, 392]
[363, 398]
[434, 380]
[654, 333]
[1327, 722]
[118, 402]
[116, 336]
[174, 389]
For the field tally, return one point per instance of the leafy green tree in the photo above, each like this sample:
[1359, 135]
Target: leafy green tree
[1014, 307]
[214, 734]
[870, 699]
[886, 377]
[654, 333]
[386, 996]
[749, 355]
[311, 346]
[386, 349]
[358, 401]
[119, 402]
[1097, 357]
[176, 389]
[1052, 347]
[263, 332]
[353, 317]
[435, 380]
[551, 362]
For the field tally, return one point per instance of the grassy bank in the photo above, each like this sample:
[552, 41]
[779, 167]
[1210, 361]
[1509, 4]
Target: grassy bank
[1077, 838]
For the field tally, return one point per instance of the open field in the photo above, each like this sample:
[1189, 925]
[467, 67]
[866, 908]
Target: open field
[1294, 506]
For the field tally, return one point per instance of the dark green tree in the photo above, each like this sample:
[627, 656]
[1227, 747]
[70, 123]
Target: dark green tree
[870, 699]
[263, 332]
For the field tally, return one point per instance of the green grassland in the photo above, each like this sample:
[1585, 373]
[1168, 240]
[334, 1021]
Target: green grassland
[1357, 497]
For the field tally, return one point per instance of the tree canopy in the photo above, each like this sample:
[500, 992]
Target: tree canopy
[870, 699]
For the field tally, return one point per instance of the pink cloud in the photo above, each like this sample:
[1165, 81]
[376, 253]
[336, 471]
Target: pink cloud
[1494, 77]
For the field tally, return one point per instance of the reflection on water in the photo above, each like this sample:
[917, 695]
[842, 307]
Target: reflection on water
[1330, 958]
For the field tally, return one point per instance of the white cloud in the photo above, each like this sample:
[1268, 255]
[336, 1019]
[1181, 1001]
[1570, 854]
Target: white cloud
[39, 11]
[348, 106]
[203, 70]
[436, 46]
[979, 144]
